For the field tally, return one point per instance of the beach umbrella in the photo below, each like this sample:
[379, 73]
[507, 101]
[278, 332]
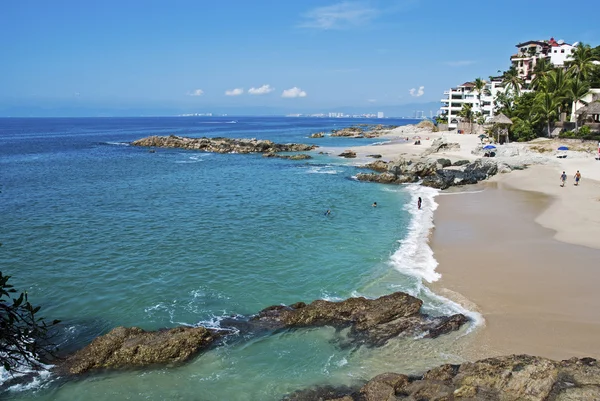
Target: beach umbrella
[481, 136]
[416, 137]
[563, 148]
[489, 147]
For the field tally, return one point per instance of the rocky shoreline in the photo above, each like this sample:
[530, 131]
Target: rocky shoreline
[221, 145]
[432, 172]
[372, 322]
[505, 378]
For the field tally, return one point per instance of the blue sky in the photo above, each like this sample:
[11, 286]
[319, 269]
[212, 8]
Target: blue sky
[247, 54]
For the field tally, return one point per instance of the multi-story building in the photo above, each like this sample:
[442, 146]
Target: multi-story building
[466, 94]
[528, 54]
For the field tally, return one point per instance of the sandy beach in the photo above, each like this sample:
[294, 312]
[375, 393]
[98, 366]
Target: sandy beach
[519, 248]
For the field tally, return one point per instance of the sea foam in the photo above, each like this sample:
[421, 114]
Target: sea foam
[414, 256]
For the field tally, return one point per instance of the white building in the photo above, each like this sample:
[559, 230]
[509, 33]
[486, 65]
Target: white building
[380, 114]
[465, 94]
[528, 54]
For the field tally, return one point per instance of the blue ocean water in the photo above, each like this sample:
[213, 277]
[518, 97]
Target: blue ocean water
[102, 234]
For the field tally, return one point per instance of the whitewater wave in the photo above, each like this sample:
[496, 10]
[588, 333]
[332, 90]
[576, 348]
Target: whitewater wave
[414, 257]
[322, 170]
[118, 143]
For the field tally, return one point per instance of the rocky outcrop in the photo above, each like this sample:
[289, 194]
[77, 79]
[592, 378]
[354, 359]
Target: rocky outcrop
[317, 135]
[506, 378]
[301, 156]
[433, 173]
[375, 156]
[349, 131]
[133, 347]
[348, 154]
[371, 321]
[378, 165]
[221, 145]
[441, 144]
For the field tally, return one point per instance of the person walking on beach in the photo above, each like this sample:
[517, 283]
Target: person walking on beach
[419, 203]
[577, 177]
[563, 179]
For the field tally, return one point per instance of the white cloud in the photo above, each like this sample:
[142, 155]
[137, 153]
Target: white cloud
[417, 92]
[339, 16]
[196, 92]
[293, 92]
[263, 90]
[459, 63]
[234, 92]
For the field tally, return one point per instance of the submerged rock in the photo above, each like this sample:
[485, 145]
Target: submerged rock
[372, 321]
[505, 378]
[221, 145]
[132, 347]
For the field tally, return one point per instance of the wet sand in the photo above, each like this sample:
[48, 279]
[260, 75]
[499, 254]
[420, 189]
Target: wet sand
[538, 296]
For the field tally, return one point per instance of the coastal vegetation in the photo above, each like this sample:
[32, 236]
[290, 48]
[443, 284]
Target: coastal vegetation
[23, 334]
[535, 106]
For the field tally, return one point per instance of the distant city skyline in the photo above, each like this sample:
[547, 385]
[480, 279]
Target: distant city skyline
[168, 58]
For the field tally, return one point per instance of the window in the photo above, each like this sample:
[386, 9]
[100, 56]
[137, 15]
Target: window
[562, 50]
[555, 51]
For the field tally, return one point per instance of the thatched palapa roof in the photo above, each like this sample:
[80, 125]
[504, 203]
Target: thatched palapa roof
[500, 119]
[590, 109]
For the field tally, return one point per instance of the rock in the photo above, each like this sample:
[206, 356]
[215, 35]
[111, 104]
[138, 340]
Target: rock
[328, 393]
[348, 154]
[376, 156]
[444, 162]
[378, 165]
[221, 145]
[504, 378]
[441, 144]
[301, 156]
[461, 162]
[350, 131]
[135, 348]
[385, 178]
[317, 135]
[373, 321]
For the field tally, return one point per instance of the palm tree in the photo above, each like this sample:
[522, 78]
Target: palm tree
[557, 82]
[546, 104]
[540, 71]
[511, 79]
[581, 64]
[577, 90]
[467, 112]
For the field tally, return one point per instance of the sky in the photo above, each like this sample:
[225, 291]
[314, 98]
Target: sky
[153, 57]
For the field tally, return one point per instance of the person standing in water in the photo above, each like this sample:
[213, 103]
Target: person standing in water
[374, 204]
[577, 177]
[563, 179]
[419, 203]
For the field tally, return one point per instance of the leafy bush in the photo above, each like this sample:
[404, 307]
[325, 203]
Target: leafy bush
[584, 131]
[23, 335]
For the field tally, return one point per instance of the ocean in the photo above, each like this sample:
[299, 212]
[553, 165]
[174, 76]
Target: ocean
[102, 234]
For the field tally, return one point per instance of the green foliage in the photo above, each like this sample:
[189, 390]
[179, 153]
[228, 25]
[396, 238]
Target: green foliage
[523, 130]
[584, 131]
[23, 334]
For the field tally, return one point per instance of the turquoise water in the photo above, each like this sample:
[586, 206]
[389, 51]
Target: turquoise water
[102, 234]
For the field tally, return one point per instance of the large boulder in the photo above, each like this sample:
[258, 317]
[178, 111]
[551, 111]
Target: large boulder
[133, 347]
[348, 154]
[350, 131]
[439, 145]
[317, 135]
[378, 165]
[372, 321]
[504, 378]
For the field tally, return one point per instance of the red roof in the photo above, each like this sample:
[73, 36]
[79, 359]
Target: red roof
[469, 84]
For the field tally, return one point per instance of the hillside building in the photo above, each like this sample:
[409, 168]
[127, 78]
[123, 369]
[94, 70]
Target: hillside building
[465, 94]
